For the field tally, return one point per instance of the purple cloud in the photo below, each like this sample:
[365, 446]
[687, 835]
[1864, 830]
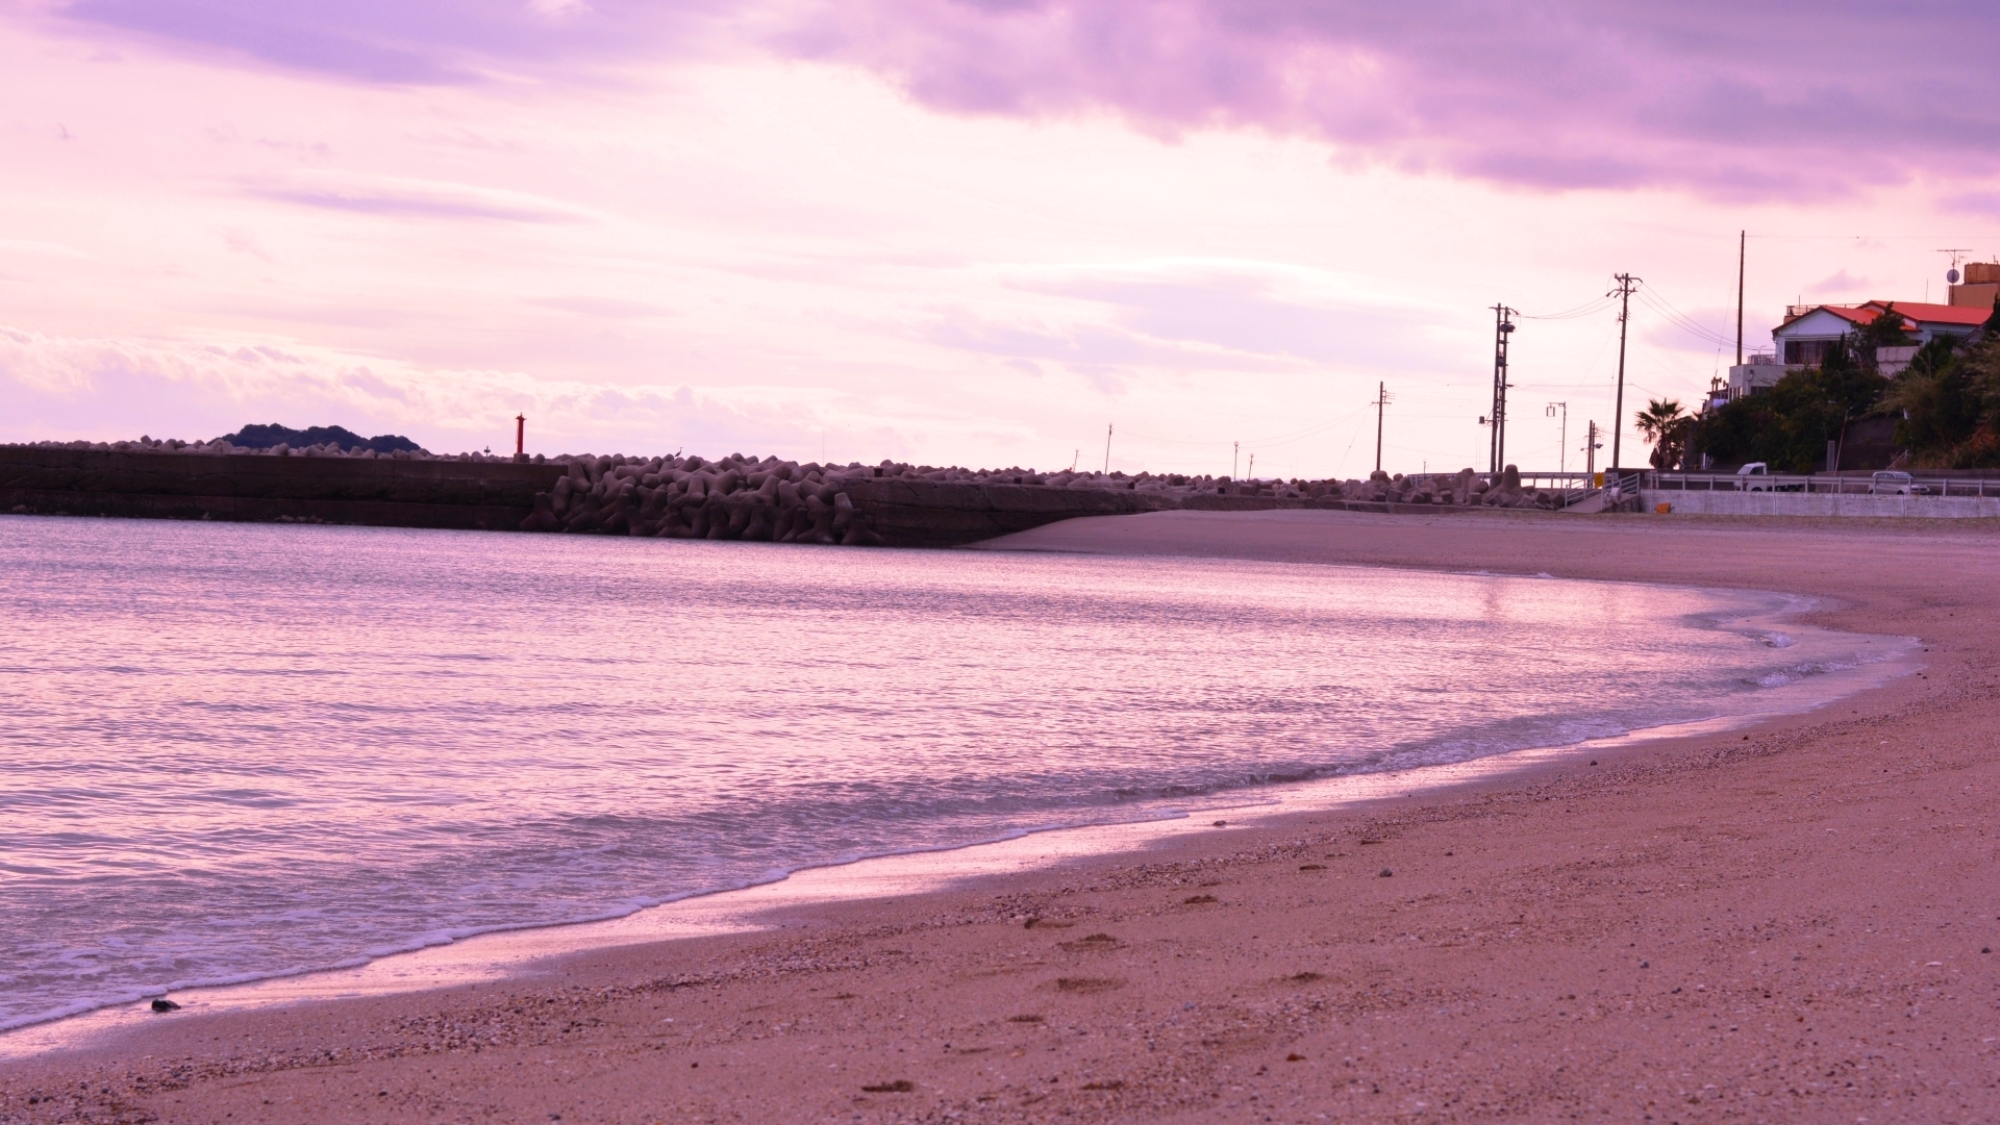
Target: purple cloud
[1752, 100]
[1734, 99]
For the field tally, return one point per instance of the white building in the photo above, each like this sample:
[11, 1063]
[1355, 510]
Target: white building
[1760, 374]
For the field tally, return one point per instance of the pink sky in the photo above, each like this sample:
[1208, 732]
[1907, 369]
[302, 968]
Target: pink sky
[970, 232]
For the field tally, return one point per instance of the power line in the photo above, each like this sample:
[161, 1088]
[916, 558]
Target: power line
[1678, 318]
[1596, 306]
[1867, 237]
[1281, 439]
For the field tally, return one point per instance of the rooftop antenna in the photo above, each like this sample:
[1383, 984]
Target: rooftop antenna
[1951, 275]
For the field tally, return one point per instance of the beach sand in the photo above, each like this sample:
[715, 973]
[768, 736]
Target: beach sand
[1788, 923]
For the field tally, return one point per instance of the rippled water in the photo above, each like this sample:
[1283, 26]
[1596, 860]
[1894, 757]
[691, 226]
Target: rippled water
[231, 751]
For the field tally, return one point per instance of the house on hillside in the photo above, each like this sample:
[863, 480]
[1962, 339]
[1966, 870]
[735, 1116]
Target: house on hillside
[1809, 330]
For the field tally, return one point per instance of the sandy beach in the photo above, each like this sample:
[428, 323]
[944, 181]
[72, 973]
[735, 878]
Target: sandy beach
[1792, 922]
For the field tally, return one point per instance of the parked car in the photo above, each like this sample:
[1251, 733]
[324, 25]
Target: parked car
[1892, 483]
[1754, 477]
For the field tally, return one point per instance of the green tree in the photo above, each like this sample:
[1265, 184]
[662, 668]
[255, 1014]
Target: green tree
[1947, 405]
[1885, 331]
[1933, 401]
[1665, 426]
[1789, 425]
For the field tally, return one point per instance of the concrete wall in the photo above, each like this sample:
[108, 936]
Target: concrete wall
[1820, 504]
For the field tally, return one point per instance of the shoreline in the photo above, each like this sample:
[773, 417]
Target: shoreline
[495, 952]
[982, 916]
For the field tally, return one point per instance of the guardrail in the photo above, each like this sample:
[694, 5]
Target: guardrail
[1815, 483]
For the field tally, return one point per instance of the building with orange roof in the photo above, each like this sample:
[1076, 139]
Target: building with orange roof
[1808, 331]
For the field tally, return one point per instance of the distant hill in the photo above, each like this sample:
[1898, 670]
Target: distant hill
[266, 436]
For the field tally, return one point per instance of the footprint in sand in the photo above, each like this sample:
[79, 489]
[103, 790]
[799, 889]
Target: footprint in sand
[1088, 984]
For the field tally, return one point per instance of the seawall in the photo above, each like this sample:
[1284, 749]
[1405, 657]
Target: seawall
[1695, 502]
[490, 495]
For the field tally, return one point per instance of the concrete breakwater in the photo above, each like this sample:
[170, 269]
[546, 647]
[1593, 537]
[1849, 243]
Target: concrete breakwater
[784, 501]
[178, 484]
[735, 497]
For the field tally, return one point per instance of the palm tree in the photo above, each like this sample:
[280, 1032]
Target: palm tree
[1661, 423]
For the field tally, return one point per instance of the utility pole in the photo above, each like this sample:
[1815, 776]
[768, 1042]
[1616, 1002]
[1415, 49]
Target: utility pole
[1742, 242]
[1562, 435]
[1590, 447]
[1235, 455]
[1503, 327]
[1251, 472]
[1626, 285]
[1381, 400]
[1107, 448]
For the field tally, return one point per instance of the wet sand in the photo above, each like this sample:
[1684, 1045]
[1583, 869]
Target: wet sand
[1783, 924]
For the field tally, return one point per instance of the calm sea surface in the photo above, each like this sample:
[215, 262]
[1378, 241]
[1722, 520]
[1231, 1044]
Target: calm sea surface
[233, 751]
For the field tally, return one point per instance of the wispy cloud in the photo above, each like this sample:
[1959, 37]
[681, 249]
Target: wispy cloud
[404, 42]
[606, 308]
[394, 196]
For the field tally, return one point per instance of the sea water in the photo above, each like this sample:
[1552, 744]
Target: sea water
[230, 752]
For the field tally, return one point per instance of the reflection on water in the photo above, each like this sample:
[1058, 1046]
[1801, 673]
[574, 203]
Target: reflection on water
[231, 751]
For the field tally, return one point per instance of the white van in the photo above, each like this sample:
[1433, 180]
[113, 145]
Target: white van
[1892, 483]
